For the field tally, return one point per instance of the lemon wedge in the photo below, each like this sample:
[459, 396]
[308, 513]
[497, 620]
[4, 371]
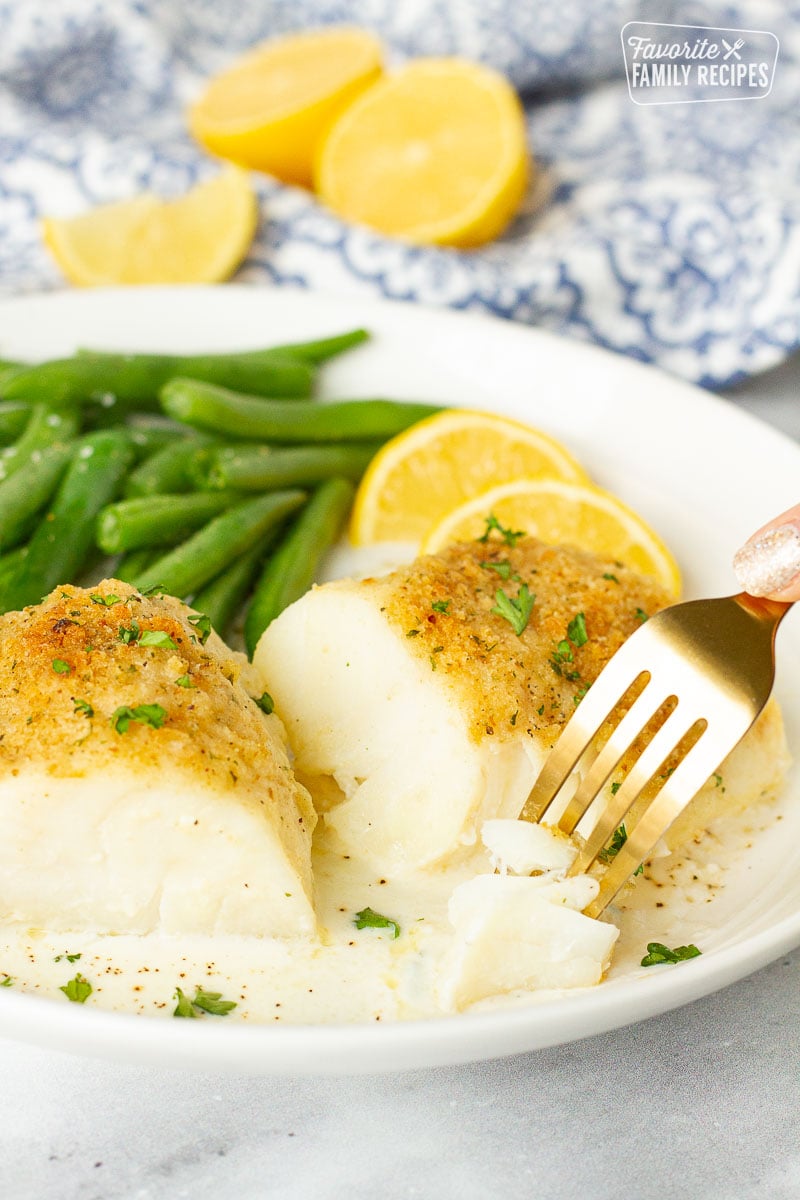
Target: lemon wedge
[200, 238]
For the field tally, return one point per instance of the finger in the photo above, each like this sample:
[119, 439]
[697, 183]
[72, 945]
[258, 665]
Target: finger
[769, 563]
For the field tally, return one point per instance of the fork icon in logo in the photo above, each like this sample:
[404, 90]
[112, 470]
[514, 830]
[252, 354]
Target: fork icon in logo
[733, 49]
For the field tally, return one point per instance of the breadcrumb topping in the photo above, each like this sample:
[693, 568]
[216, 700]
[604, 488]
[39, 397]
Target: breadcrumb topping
[70, 665]
[443, 605]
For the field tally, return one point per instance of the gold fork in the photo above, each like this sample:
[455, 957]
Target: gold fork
[713, 663]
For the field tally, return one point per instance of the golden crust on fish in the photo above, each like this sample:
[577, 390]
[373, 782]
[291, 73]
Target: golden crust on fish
[509, 683]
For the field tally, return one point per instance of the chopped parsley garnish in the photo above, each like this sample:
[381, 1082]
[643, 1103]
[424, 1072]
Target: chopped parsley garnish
[516, 612]
[157, 637]
[6, 981]
[615, 788]
[440, 606]
[144, 714]
[265, 703]
[581, 692]
[60, 667]
[83, 706]
[609, 576]
[208, 1002]
[212, 1002]
[184, 681]
[618, 840]
[717, 780]
[184, 1005]
[658, 953]
[202, 624]
[132, 635]
[153, 590]
[369, 919]
[509, 536]
[413, 633]
[641, 615]
[71, 958]
[107, 601]
[562, 654]
[502, 567]
[576, 636]
[576, 630]
[78, 990]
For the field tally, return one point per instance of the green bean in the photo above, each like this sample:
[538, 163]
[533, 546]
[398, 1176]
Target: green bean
[28, 490]
[169, 470]
[46, 427]
[187, 568]
[8, 370]
[205, 406]
[260, 468]
[222, 598]
[323, 349]
[13, 419]
[64, 540]
[146, 442]
[134, 380]
[10, 564]
[158, 520]
[132, 565]
[318, 351]
[290, 571]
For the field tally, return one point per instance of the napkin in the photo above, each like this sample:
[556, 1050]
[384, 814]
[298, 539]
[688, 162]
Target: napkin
[670, 233]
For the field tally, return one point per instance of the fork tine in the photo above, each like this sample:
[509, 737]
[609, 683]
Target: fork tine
[643, 770]
[636, 718]
[607, 690]
[686, 780]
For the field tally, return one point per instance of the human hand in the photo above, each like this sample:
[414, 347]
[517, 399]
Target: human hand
[768, 564]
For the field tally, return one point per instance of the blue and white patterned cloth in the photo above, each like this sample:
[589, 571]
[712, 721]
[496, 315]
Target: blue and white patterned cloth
[669, 233]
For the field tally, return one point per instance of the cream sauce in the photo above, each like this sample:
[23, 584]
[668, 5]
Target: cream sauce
[354, 975]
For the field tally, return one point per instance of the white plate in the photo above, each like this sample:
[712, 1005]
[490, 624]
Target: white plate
[702, 472]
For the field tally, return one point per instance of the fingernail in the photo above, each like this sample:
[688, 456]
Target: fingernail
[770, 561]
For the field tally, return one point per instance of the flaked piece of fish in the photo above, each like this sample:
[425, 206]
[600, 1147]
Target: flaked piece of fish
[420, 700]
[141, 787]
[523, 928]
[521, 933]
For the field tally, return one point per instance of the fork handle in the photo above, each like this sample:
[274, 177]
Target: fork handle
[768, 564]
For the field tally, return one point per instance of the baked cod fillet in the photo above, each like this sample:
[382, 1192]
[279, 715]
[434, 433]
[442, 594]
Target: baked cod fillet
[141, 787]
[416, 711]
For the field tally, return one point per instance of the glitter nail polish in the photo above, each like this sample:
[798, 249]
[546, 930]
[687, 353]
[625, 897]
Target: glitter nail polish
[770, 561]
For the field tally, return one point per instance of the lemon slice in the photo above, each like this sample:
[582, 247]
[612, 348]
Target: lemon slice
[200, 238]
[560, 512]
[422, 474]
[270, 109]
[435, 153]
